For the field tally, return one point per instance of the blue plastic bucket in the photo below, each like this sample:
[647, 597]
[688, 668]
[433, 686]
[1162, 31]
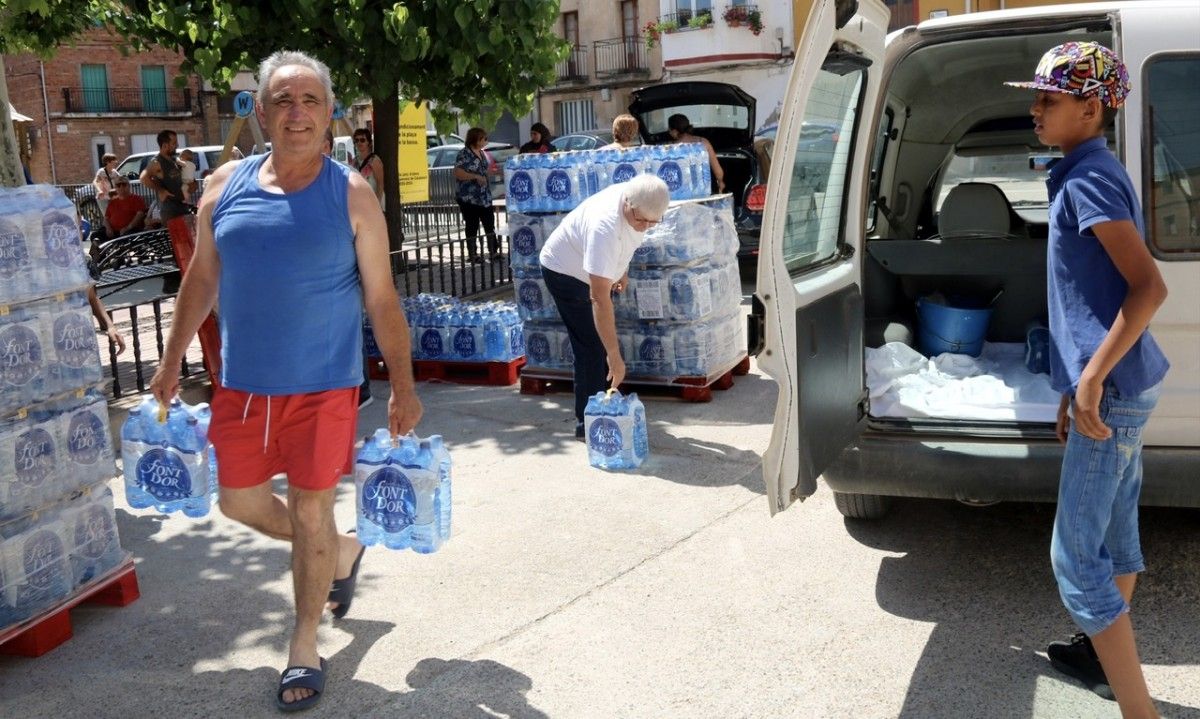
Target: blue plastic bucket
[951, 329]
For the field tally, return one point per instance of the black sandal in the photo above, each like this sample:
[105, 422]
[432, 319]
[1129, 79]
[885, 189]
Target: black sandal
[301, 678]
[342, 591]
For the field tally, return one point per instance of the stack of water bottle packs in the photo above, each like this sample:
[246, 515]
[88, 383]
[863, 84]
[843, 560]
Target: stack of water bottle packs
[559, 181]
[615, 429]
[403, 492]
[446, 328]
[57, 524]
[679, 317]
[168, 462]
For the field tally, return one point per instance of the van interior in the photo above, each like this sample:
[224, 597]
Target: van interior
[959, 213]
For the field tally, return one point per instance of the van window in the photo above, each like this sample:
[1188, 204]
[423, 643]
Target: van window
[1171, 180]
[812, 226]
[1022, 182]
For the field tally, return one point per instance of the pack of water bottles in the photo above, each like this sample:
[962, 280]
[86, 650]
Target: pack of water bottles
[615, 428]
[47, 347]
[560, 181]
[446, 328]
[673, 349]
[681, 294]
[47, 555]
[168, 462]
[534, 301]
[402, 492]
[527, 235]
[41, 252]
[56, 449]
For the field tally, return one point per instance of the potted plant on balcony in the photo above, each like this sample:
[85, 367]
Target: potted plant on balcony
[735, 15]
[655, 28]
[754, 20]
[701, 21]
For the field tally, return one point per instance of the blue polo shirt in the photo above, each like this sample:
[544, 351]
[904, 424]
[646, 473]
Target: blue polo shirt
[1085, 289]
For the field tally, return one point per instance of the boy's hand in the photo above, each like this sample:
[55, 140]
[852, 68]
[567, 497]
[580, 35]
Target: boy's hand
[1087, 410]
[1063, 425]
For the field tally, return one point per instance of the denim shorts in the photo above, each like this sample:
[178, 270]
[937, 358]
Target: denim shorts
[1096, 526]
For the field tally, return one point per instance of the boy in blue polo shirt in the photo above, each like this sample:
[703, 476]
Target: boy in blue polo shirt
[1103, 289]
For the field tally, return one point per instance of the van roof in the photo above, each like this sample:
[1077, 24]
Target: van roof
[1081, 9]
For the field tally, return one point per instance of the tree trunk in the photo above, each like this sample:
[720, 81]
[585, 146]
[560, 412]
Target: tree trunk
[387, 136]
[11, 174]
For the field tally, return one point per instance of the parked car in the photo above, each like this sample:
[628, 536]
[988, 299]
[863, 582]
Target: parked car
[724, 115]
[442, 184]
[583, 141]
[131, 168]
[935, 183]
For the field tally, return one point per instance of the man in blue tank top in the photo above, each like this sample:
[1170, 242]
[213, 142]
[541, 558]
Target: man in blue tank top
[295, 245]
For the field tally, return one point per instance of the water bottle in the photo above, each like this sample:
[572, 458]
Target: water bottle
[133, 445]
[655, 349]
[441, 459]
[76, 360]
[23, 361]
[521, 181]
[371, 458]
[418, 461]
[668, 169]
[31, 466]
[42, 556]
[94, 546]
[203, 414]
[690, 350]
[193, 447]
[641, 437]
[87, 457]
[516, 338]
[15, 268]
[526, 241]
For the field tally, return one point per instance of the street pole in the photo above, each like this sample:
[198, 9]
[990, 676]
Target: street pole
[11, 174]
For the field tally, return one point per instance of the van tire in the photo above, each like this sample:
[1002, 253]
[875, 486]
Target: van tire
[861, 506]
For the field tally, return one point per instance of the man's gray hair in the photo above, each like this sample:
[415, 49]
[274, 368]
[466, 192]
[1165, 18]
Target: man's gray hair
[283, 58]
[649, 194]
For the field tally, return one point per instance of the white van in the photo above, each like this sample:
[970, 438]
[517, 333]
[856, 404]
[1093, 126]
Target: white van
[936, 186]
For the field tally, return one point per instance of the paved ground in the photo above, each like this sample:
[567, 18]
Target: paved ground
[572, 593]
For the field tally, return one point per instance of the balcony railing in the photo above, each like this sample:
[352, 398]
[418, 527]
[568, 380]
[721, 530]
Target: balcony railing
[127, 101]
[621, 56]
[574, 68]
[684, 17]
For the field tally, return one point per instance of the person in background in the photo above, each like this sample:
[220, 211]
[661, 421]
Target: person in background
[164, 175]
[681, 131]
[1103, 290]
[624, 131]
[364, 389]
[474, 194]
[104, 181]
[584, 261]
[126, 213]
[369, 164]
[187, 171]
[539, 139]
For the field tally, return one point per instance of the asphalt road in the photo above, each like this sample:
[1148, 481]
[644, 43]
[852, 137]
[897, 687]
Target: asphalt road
[572, 593]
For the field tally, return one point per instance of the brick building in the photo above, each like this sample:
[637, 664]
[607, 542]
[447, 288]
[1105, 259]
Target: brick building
[99, 101]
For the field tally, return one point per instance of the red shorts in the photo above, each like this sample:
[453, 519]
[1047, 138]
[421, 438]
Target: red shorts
[310, 437]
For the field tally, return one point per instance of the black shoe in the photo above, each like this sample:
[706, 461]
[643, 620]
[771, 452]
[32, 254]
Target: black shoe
[1077, 658]
[579, 431]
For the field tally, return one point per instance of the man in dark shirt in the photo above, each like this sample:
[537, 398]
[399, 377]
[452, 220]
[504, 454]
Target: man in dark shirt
[164, 175]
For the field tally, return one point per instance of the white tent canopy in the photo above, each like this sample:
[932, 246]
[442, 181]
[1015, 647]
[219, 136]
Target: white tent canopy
[16, 116]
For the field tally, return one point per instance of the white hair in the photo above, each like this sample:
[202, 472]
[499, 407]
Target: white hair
[648, 193]
[283, 58]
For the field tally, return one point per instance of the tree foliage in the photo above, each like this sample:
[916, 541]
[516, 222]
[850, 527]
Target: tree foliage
[476, 57]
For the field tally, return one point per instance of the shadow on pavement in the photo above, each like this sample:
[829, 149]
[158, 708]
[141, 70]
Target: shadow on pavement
[983, 578]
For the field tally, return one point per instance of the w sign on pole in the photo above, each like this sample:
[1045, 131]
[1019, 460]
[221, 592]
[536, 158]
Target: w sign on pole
[243, 107]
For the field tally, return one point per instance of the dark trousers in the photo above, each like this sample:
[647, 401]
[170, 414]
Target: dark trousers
[473, 217]
[574, 302]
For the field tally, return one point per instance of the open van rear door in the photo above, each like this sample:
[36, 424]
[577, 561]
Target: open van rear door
[808, 301]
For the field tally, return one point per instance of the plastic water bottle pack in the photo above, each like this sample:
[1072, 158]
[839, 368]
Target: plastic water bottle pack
[41, 252]
[402, 492]
[46, 347]
[445, 328]
[558, 182]
[35, 568]
[167, 458]
[534, 301]
[615, 428]
[59, 448]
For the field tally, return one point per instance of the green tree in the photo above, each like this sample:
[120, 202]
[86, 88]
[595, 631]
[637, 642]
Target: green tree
[38, 26]
[477, 57]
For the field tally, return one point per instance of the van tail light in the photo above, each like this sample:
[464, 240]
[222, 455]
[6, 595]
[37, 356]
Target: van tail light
[756, 198]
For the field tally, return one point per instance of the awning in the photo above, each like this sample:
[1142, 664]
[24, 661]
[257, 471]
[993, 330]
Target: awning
[16, 116]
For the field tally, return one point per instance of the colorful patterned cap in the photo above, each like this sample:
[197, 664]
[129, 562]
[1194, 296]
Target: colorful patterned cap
[1085, 69]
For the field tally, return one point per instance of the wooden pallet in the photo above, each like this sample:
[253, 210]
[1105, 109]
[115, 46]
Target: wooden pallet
[538, 381]
[497, 374]
[34, 637]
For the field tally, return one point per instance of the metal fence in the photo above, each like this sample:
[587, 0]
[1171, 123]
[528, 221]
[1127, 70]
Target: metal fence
[433, 257]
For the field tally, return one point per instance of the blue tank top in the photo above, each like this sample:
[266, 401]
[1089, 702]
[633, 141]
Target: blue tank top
[290, 305]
